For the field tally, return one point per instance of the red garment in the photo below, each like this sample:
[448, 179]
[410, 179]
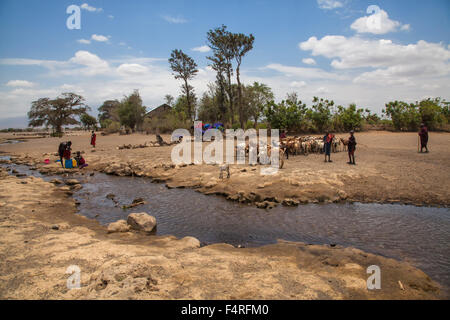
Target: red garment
[93, 138]
[66, 154]
[330, 138]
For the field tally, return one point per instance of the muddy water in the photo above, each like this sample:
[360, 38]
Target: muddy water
[419, 235]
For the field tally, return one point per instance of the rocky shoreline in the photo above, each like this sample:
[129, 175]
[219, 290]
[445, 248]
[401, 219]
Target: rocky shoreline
[264, 193]
[40, 241]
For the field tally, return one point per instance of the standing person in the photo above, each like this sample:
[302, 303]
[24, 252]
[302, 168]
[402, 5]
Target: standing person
[93, 138]
[327, 141]
[351, 148]
[63, 146]
[423, 133]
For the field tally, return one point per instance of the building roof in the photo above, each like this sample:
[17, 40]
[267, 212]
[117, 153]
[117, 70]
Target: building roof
[158, 110]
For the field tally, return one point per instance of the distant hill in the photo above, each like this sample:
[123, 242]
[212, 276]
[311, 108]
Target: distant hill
[15, 122]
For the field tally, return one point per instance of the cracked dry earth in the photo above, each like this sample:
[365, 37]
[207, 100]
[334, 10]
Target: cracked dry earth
[41, 236]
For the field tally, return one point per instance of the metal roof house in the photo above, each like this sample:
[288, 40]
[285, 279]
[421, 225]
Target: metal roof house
[158, 111]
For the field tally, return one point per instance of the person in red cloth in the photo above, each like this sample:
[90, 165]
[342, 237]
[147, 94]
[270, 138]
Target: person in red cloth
[423, 133]
[93, 139]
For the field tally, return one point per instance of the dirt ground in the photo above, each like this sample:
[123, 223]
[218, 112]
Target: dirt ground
[41, 236]
[389, 169]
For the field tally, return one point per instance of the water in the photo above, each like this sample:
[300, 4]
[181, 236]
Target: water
[8, 142]
[419, 235]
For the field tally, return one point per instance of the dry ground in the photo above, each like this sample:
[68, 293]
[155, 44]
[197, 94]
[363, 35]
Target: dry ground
[34, 258]
[389, 169]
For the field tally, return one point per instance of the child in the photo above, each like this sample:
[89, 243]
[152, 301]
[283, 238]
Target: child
[81, 163]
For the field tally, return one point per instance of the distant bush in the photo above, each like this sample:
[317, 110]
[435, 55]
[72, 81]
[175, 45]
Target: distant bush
[112, 126]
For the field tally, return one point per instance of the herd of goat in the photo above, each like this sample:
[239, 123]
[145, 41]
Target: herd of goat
[309, 144]
[291, 147]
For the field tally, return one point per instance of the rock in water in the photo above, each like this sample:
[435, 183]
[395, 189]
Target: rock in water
[118, 226]
[141, 222]
[72, 182]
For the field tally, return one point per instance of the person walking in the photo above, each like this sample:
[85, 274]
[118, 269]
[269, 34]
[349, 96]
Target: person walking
[351, 148]
[423, 134]
[93, 139]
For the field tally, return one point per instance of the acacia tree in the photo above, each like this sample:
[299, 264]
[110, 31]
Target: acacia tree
[241, 45]
[108, 111]
[220, 40]
[57, 112]
[184, 68]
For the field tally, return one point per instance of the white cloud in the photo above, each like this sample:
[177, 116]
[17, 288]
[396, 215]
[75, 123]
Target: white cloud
[309, 61]
[297, 84]
[377, 23]
[132, 69]
[201, 49]
[20, 83]
[84, 41]
[111, 16]
[329, 4]
[100, 38]
[175, 20]
[305, 73]
[386, 62]
[87, 7]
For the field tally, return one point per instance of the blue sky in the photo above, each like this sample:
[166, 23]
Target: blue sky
[327, 48]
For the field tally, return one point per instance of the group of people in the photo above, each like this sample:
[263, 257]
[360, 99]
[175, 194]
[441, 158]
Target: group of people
[351, 147]
[65, 154]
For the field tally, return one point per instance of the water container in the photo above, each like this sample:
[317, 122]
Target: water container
[68, 164]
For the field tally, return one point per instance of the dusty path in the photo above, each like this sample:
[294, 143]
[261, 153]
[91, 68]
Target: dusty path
[39, 241]
[388, 170]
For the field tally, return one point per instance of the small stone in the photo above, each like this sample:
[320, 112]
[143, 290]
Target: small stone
[72, 182]
[118, 226]
[55, 227]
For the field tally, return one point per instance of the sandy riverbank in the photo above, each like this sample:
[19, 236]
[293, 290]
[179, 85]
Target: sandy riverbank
[35, 255]
[389, 170]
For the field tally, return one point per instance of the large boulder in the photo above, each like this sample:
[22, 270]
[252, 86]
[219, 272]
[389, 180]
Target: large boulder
[141, 222]
[118, 226]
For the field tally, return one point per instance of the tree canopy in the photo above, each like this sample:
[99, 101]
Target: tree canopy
[64, 110]
[184, 68]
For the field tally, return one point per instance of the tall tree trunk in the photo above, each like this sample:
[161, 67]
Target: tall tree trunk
[240, 107]
[188, 98]
[230, 96]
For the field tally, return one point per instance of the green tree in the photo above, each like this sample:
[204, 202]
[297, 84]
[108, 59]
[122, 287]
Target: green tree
[241, 45]
[109, 110]
[404, 116]
[320, 113]
[57, 112]
[184, 68]
[432, 113]
[220, 40]
[257, 96]
[350, 118]
[285, 115]
[131, 111]
[169, 100]
[89, 122]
